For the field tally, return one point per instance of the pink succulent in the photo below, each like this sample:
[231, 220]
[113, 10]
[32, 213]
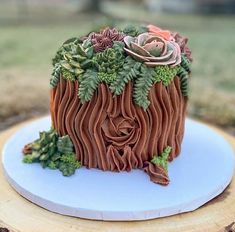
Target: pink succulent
[153, 50]
[182, 41]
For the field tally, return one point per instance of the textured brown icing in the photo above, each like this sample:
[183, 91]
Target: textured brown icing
[112, 133]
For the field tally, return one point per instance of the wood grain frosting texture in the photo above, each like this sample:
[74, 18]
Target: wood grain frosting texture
[112, 133]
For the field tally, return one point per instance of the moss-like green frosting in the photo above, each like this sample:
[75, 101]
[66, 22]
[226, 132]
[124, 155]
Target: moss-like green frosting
[162, 160]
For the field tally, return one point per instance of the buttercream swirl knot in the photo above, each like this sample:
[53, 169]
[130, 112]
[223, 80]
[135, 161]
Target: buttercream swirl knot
[156, 173]
[120, 131]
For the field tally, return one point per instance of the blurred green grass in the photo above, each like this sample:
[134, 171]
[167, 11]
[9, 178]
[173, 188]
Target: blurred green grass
[27, 49]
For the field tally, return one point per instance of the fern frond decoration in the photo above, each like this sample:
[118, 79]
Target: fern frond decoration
[185, 63]
[88, 84]
[162, 160]
[130, 71]
[183, 75]
[55, 76]
[165, 74]
[142, 86]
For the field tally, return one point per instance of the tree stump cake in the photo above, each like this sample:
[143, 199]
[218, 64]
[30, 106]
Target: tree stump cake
[118, 102]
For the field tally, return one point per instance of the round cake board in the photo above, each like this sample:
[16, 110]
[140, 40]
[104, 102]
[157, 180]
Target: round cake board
[202, 171]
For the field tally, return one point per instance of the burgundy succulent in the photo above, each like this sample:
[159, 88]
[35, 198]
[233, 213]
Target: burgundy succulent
[182, 41]
[104, 39]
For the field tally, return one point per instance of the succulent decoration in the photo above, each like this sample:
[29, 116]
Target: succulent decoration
[162, 160]
[53, 152]
[153, 50]
[145, 55]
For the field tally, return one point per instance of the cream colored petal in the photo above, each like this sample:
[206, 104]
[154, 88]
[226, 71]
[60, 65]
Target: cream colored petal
[138, 49]
[136, 56]
[128, 39]
[160, 58]
[141, 39]
[154, 64]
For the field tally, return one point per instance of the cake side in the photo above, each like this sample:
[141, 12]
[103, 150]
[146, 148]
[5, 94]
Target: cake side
[118, 101]
[112, 133]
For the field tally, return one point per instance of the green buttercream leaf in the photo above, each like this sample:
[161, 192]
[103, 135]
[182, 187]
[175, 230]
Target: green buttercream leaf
[185, 63]
[183, 75]
[129, 71]
[55, 76]
[88, 84]
[28, 159]
[134, 30]
[64, 144]
[142, 86]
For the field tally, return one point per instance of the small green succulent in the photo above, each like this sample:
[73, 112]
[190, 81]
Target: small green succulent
[53, 152]
[109, 62]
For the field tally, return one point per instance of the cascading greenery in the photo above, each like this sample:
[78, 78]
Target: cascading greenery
[183, 73]
[53, 152]
[162, 160]
[76, 60]
[88, 84]
[129, 71]
[142, 86]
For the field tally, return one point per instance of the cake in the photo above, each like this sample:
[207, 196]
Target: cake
[118, 102]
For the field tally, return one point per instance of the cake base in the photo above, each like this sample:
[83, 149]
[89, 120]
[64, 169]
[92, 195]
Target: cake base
[201, 172]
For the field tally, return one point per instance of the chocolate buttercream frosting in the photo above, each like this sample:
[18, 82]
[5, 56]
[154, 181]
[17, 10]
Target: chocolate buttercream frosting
[156, 173]
[112, 133]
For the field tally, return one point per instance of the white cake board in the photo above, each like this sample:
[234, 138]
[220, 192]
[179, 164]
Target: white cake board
[202, 171]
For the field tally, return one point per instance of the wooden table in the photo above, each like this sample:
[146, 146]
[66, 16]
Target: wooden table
[19, 215]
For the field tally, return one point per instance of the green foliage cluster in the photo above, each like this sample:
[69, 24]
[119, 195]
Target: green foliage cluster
[77, 60]
[134, 30]
[106, 65]
[165, 74]
[88, 84]
[73, 58]
[184, 81]
[109, 62]
[55, 76]
[185, 63]
[129, 71]
[183, 73]
[53, 152]
[162, 160]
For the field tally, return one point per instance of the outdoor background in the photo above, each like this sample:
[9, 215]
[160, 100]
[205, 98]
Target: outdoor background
[32, 31]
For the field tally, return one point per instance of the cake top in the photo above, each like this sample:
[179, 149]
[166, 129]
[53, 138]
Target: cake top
[144, 55]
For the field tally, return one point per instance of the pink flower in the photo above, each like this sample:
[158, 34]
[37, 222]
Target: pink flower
[159, 32]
